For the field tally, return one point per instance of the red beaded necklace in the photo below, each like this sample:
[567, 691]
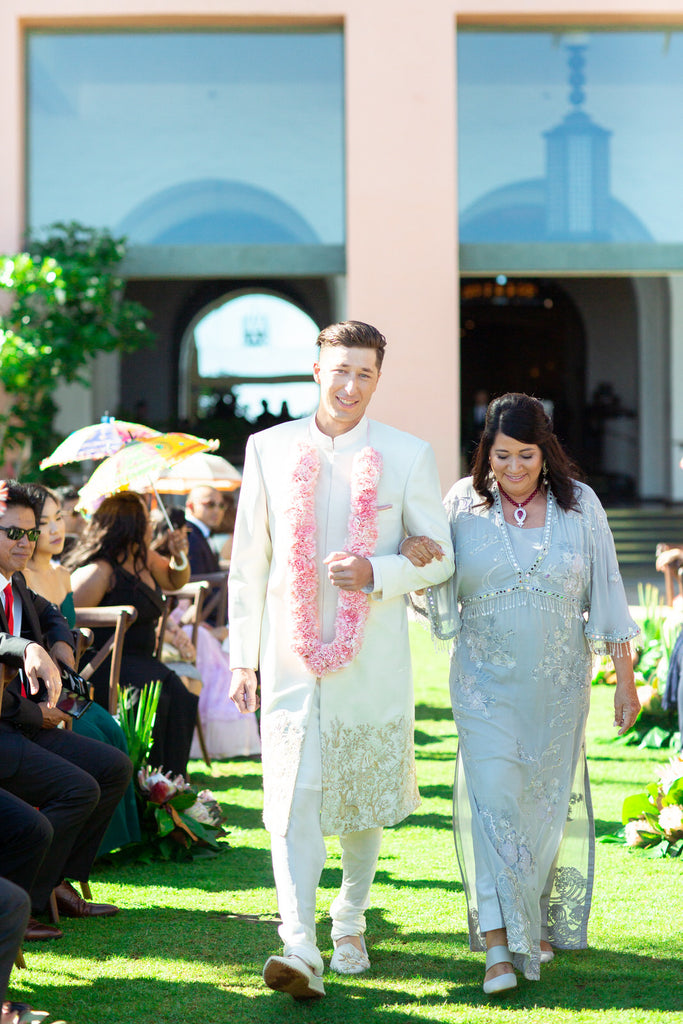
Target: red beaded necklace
[520, 511]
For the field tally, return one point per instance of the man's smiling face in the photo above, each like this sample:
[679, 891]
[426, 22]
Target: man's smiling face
[348, 378]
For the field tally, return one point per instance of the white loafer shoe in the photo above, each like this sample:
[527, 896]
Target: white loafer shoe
[547, 955]
[501, 982]
[347, 959]
[291, 974]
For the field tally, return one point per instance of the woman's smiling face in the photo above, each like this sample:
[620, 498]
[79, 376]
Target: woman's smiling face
[516, 465]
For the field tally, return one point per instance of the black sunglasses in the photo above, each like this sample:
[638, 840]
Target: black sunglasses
[16, 533]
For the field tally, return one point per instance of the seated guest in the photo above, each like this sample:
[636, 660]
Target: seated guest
[14, 913]
[74, 522]
[26, 839]
[45, 577]
[76, 782]
[227, 732]
[113, 565]
[204, 514]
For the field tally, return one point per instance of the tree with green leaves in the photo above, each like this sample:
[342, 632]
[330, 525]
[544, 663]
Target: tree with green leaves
[64, 305]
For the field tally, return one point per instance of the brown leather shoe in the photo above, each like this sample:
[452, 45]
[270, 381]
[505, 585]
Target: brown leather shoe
[36, 931]
[70, 904]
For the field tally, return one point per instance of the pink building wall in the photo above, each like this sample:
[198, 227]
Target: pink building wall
[402, 269]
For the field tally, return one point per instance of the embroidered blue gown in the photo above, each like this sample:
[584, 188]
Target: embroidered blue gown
[525, 609]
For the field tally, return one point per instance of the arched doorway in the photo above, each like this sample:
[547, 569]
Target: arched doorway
[245, 363]
[524, 335]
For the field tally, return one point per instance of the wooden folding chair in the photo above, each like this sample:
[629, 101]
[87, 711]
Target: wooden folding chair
[217, 600]
[119, 617]
[196, 592]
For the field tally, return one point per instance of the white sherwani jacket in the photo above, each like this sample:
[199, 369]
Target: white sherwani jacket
[367, 708]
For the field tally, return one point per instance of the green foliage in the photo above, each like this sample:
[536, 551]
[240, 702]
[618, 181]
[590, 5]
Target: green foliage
[67, 305]
[136, 718]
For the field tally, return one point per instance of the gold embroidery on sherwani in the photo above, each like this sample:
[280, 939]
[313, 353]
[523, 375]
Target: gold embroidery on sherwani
[368, 774]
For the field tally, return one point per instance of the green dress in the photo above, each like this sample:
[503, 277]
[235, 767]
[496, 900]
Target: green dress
[98, 724]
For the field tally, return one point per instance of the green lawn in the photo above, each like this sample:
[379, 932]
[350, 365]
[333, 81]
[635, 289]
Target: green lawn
[191, 939]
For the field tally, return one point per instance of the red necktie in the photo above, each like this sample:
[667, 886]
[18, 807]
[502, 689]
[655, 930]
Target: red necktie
[9, 608]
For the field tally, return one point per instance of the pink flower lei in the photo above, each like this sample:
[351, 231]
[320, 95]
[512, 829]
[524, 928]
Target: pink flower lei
[353, 606]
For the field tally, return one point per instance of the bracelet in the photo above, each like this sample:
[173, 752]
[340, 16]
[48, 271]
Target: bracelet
[180, 564]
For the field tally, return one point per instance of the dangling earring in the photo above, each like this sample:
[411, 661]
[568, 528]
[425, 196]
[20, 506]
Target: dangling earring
[545, 473]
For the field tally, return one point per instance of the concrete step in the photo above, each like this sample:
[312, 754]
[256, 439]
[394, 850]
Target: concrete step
[638, 531]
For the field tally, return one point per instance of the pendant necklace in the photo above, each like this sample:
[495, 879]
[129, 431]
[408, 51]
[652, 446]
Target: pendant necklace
[520, 511]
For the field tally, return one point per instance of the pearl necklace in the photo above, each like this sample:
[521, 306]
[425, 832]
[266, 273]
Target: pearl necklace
[520, 511]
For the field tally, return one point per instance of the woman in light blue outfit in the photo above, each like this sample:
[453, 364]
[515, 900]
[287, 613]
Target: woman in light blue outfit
[536, 590]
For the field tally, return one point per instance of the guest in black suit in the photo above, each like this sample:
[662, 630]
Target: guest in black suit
[75, 782]
[203, 514]
[14, 911]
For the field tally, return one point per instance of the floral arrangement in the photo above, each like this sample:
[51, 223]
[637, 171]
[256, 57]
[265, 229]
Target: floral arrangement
[353, 606]
[176, 811]
[177, 820]
[653, 820]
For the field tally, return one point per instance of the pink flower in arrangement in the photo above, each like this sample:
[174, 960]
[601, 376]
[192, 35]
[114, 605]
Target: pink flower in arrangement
[352, 607]
[159, 788]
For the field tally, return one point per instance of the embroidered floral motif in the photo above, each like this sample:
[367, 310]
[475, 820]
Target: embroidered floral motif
[282, 736]
[352, 605]
[568, 572]
[467, 696]
[488, 646]
[368, 775]
[512, 847]
[545, 786]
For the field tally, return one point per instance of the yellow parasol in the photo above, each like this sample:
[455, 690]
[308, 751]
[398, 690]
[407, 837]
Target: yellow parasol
[138, 465]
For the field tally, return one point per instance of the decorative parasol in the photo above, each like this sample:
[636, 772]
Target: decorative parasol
[96, 441]
[138, 465]
[213, 470]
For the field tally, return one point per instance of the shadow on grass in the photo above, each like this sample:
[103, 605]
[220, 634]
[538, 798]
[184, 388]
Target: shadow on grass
[427, 712]
[425, 821]
[220, 783]
[332, 878]
[603, 828]
[232, 949]
[235, 868]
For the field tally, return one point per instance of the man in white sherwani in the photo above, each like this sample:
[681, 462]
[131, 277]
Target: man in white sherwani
[316, 590]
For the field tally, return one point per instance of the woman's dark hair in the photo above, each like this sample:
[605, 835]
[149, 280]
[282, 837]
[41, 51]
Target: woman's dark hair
[524, 419]
[39, 493]
[117, 528]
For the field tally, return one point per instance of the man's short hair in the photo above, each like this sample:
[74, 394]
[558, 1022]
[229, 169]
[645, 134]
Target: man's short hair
[354, 334]
[19, 496]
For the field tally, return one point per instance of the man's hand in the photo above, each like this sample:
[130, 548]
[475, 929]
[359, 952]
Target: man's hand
[243, 688]
[51, 716]
[420, 550]
[62, 652]
[39, 665]
[348, 572]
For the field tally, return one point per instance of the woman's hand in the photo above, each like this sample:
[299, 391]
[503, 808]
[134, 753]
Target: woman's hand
[626, 703]
[177, 544]
[420, 550]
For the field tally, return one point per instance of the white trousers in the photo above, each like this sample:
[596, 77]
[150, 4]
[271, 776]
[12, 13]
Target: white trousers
[299, 857]
[298, 860]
